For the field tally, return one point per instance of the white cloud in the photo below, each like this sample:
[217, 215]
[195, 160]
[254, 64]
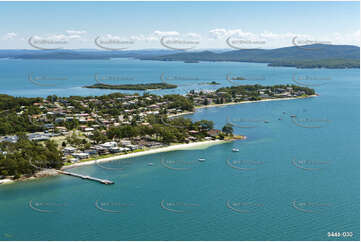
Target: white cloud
[151, 38]
[56, 37]
[214, 38]
[193, 35]
[74, 36]
[117, 38]
[218, 33]
[75, 32]
[349, 38]
[9, 36]
[166, 33]
[157, 35]
[70, 35]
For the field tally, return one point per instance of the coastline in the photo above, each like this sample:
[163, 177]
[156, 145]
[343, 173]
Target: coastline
[262, 100]
[189, 146]
[235, 103]
[195, 145]
[6, 181]
[156, 150]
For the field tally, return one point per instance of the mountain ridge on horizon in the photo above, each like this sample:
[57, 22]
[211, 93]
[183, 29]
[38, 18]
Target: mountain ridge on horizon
[306, 56]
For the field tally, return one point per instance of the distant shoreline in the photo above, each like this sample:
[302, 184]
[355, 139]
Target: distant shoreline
[133, 87]
[262, 100]
[235, 103]
[149, 152]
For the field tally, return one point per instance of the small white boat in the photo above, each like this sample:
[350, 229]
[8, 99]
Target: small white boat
[201, 159]
[150, 164]
[235, 150]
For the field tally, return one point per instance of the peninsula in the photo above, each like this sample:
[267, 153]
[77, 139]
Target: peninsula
[54, 132]
[140, 87]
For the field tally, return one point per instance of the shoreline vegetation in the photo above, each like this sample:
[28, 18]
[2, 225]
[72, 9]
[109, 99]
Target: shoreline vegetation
[173, 147]
[304, 56]
[133, 87]
[244, 102]
[80, 130]
[92, 161]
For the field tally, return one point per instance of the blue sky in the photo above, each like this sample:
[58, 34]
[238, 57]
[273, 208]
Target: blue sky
[206, 24]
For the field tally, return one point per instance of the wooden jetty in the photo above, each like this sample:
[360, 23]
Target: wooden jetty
[107, 182]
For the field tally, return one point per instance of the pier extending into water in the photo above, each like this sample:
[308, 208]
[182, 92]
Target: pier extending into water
[106, 182]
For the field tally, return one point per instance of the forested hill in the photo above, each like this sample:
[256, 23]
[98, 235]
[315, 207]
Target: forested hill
[310, 56]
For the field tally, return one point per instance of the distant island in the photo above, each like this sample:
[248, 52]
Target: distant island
[209, 83]
[141, 87]
[326, 63]
[307, 56]
[191, 61]
[310, 56]
[238, 78]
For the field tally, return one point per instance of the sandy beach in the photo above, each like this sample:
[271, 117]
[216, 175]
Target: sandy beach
[195, 145]
[263, 100]
[190, 146]
[6, 181]
[234, 103]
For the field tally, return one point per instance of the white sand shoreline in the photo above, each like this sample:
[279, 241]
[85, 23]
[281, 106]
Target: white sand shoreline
[235, 103]
[150, 151]
[168, 148]
[195, 145]
[6, 181]
[263, 100]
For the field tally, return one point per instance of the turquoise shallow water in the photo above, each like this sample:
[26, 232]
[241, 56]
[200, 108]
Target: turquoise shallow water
[293, 179]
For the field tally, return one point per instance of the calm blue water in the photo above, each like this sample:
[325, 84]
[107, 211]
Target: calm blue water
[293, 179]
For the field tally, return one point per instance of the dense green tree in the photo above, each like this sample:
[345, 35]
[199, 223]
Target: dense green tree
[228, 129]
